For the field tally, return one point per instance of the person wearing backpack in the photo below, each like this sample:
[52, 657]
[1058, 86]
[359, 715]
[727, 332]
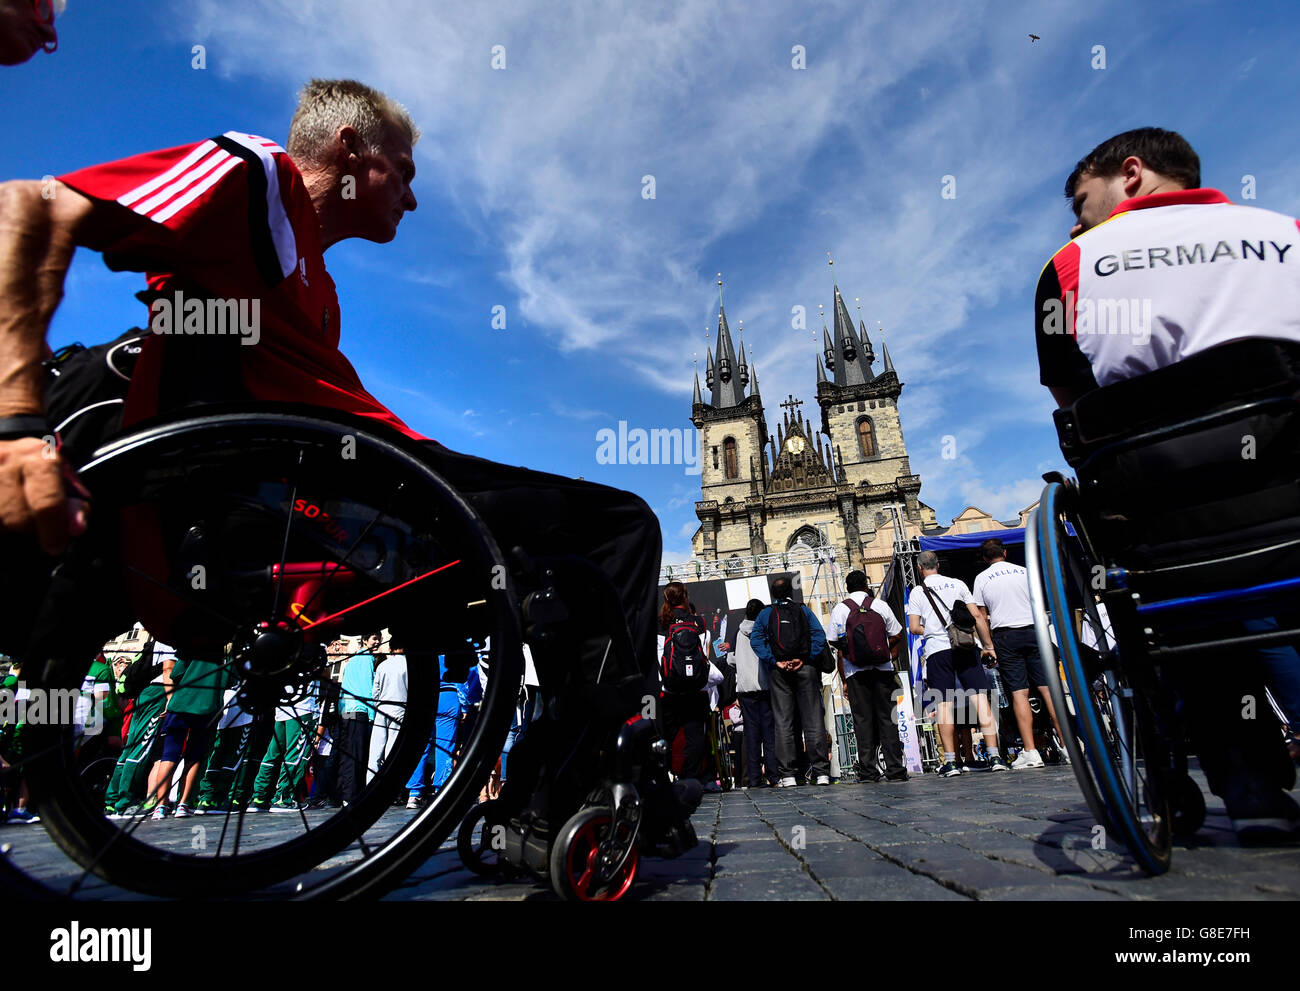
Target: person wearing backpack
[753, 681]
[684, 675]
[937, 611]
[866, 633]
[787, 636]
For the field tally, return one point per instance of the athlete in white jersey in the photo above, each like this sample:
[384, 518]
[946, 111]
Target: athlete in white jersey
[1161, 270]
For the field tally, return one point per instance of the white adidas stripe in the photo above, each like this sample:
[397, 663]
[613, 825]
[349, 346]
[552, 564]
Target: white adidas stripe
[144, 190]
[282, 236]
[181, 202]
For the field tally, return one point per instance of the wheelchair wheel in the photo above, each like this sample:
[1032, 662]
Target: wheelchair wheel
[476, 836]
[575, 857]
[1111, 722]
[248, 540]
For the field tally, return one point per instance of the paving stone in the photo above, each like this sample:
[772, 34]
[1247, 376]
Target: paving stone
[1048, 893]
[903, 886]
[767, 888]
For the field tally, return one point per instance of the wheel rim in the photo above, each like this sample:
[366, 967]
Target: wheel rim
[582, 859]
[1109, 721]
[238, 857]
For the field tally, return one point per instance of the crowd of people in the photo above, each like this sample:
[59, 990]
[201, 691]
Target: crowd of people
[171, 739]
[768, 700]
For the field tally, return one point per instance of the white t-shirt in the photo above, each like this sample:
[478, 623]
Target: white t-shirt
[947, 591]
[1003, 589]
[840, 618]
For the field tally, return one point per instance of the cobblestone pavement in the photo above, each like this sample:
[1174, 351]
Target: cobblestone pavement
[1019, 835]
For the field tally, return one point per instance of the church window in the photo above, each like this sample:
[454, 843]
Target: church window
[862, 407]
[866, 437]
[715, 458]
[729, 452]
[839, 409]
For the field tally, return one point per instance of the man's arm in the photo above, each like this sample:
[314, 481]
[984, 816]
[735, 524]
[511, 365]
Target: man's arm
[40, 229]
[914, 625]
[758, 639]
[818, 638]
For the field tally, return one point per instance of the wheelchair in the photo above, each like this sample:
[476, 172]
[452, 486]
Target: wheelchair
[248, 537]
[1179, 540]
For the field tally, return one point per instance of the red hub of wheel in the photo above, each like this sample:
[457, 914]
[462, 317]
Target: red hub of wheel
[583, 863]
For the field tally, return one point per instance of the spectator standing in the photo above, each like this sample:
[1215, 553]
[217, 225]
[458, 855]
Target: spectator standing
[929, 611]
[357, 712]
[1002, 594]
[753, 688]
[389, 693]
[786, 636]
[687, 711]
[869, 679]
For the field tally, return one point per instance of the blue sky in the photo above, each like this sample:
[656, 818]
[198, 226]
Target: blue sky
[530, 189]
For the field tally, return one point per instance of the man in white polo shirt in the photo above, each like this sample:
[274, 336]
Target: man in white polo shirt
[870, 688]
[1002, 593]
[929, 610]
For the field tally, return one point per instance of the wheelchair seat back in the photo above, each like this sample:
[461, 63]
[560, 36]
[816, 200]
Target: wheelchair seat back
[1193, 471]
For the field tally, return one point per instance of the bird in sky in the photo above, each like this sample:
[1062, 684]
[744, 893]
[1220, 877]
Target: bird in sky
[1033, 38]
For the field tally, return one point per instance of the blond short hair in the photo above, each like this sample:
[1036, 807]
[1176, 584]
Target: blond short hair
[325, 105]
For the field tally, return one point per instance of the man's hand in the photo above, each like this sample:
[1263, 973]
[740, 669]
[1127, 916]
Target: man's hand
[990, 657]
[33, 494]
[794, 664]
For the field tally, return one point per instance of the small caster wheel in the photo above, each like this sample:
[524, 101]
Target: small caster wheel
[475, 840]
[575, 857]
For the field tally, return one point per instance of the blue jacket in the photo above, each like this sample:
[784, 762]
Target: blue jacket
[759, 636]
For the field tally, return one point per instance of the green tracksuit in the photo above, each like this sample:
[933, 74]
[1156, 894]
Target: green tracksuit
[131, 776]
[285, 764]
[236, 757]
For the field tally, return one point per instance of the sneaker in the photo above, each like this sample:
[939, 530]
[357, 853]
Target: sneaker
[204, 807]
[787, 783]
[899, 777]
[22, 817]
[998, 764]
[258, 807]
[1027, 759]
[159, 812]
[823, 779]
[183, 811]
[288, 807]
[978, 764]
[713, 788]
[950, 770]
[964, 768]
[415, 802]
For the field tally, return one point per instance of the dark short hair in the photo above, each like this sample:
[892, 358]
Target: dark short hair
[753, 607]
[856, 581]
[992, 549]
[781, 587]
[1166, 152]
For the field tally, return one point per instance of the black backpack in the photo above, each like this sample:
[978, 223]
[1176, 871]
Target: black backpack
[683, 665]
[788, 633]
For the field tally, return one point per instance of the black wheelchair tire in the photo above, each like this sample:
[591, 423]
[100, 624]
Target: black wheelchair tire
[1152, 852]
[117, 857]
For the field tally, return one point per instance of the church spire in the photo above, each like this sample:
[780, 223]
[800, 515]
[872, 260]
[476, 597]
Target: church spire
[848, 369]
[821, 372]
[728, 389]
[889, 364]
[868, 352]
[697, 400]
[753, 374]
